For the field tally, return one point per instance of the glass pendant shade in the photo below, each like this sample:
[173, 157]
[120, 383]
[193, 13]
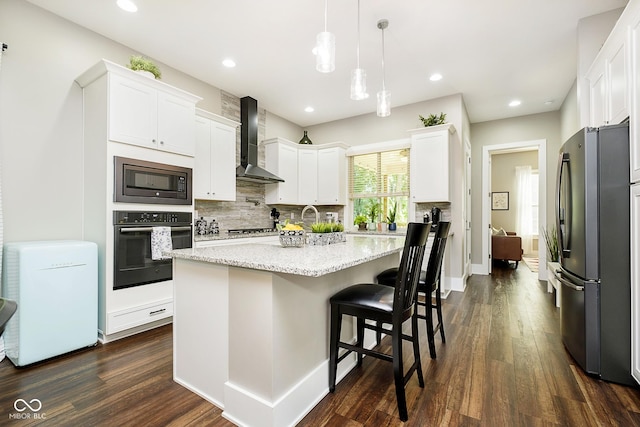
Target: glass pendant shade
[359, 84]
[384, 103]
[325, 52]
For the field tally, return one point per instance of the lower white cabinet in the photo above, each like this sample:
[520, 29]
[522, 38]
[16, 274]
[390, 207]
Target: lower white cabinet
[635, 281]
[214, 175]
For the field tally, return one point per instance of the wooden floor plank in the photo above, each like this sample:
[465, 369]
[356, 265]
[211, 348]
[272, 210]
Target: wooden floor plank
[503, 364]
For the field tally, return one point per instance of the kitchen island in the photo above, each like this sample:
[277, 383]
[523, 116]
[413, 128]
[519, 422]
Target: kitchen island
[251, 322]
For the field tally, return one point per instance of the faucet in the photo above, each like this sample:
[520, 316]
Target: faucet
[310, 207]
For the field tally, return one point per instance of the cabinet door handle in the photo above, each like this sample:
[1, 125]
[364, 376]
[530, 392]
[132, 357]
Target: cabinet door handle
[153, 313]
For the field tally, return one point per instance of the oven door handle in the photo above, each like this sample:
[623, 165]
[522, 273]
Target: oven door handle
[149, 229]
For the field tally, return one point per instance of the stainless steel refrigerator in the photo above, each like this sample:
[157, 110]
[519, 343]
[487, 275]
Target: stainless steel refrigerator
[592, 213]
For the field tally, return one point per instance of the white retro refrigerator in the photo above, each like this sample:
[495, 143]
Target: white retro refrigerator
[55, 284]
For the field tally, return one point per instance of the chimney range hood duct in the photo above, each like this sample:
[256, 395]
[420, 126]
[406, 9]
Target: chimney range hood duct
[248, 170]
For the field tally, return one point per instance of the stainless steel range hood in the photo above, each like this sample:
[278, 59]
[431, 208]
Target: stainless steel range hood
[248, 170]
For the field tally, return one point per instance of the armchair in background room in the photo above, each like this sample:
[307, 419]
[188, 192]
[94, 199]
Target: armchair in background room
[506, 246]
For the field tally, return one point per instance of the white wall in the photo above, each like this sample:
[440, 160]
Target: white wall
[41, 118]
[370, 128]
[517, 129]
[503, 178]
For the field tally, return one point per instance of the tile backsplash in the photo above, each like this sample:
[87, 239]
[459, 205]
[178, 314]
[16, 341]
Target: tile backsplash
[250, 211]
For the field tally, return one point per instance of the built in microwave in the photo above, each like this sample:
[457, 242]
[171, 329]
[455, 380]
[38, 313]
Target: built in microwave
[140, 181]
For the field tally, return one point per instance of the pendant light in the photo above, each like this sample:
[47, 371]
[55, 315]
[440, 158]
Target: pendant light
[384, 96]
[325, 47]
[358, 75]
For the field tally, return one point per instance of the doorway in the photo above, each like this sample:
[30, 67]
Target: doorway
[487, 152]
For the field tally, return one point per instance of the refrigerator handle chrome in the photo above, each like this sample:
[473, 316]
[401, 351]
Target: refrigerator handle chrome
[562, 217]
[569, 284]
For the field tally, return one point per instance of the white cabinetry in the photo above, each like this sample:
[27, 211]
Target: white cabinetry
[281, 159]
[609, 83]
[634, 124]
[430, 167]
[635, 281]
[313, 174]
[307, 176]
[214, 174]
[149, 116]
[123, 112]
[332, 175]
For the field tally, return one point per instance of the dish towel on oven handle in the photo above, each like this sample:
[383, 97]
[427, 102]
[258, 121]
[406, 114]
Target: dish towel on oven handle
[160, 242]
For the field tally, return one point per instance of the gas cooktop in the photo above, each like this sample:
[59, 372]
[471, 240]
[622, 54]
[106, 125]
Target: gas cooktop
[251, 230]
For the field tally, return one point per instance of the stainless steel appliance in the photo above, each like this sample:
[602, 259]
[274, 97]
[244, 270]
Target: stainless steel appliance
[592, 213]
[248, 169]
[139, 181]
[435, 218]
[133, 261]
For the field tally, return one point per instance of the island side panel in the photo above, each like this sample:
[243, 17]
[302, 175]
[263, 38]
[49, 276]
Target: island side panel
[279, 341]
[200, 328]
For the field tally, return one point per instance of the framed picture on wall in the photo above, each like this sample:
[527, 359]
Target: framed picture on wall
[500, 201]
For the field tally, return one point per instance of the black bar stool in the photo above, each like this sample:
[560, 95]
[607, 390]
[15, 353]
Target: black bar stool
[384, 305]
[429, 283]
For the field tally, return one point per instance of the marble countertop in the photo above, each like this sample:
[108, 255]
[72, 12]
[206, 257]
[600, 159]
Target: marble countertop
[312, 261]
[227, 236]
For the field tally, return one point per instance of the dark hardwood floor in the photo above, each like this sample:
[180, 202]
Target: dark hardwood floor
[503, 364]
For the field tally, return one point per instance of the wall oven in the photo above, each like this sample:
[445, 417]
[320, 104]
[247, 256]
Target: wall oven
[133, 262]
[139, 181]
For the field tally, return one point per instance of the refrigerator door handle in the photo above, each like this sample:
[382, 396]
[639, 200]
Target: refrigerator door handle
[562, 216]
[569, 284]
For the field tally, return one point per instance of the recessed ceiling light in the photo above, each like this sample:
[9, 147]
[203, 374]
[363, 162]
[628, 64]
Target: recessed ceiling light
[309, 109]
[549, 102]
[127, 5]
[514, 103]
[229, 63]
[435, 77]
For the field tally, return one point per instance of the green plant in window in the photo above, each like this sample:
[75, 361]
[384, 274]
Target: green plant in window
[393, 209]
[360, 219]
[373, 211]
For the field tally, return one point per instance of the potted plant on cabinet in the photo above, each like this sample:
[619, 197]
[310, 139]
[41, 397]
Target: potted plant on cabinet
[361, 222]
[140, 63]
[433, 120]
[391, 218]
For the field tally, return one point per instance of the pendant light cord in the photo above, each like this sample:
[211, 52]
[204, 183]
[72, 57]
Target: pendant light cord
[383, 72]
[326, 12]
[358, 45]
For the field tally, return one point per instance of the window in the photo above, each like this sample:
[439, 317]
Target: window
[534, 202]
[378, 182]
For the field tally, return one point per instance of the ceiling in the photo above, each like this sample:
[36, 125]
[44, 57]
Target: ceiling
[490, 51]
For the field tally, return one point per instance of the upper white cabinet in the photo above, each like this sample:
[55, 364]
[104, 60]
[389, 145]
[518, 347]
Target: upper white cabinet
[307, 176]
[143, 111]
[214, 174]
[634, 123]
[635, 282]
[609, 83]
[332, 176]
[281, 159]
[313, 174]
[430, 167]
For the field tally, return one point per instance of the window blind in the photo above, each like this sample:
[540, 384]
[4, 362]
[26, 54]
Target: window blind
[381, 174]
